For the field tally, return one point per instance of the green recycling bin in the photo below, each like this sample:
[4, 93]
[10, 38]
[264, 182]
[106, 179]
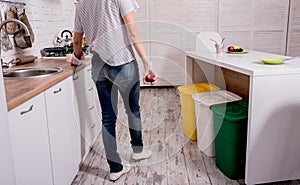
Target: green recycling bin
[230, 127]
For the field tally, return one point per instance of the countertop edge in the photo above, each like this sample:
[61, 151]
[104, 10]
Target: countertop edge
[253, 68]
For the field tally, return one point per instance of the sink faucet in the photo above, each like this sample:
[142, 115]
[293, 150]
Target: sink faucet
[26, 38]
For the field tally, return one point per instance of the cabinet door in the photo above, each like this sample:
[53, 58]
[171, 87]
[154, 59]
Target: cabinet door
[60, 113]
[30, 143]
[94, 105]
[88, 106]
[92, 119]
[6, 169]
[80, 98]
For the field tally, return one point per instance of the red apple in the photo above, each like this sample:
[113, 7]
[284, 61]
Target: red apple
[149, 78]
[230, 48]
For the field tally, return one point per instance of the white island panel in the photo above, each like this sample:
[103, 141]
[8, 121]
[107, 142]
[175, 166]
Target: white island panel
[273, 148]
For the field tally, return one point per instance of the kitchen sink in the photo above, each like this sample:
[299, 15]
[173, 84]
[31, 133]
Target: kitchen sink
[29, 72]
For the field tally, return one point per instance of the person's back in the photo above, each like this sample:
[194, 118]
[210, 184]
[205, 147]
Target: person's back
[102, 23]
[109, 26]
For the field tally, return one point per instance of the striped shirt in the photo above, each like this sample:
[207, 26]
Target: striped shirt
[102, 23]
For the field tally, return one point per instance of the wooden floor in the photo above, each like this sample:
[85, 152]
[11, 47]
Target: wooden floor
[176, 160]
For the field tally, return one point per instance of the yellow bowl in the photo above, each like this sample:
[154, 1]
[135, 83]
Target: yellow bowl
[273, 60]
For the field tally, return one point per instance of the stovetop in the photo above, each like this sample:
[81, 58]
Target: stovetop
[58, 51]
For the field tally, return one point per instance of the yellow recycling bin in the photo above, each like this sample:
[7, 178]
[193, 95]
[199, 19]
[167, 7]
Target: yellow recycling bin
[188, 106]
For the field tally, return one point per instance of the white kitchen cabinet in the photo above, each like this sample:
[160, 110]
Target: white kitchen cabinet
[61, 116]
[89, 109]
[95, 99]
[94, 109]
[30, 143]
[53, 132]
[7, 175]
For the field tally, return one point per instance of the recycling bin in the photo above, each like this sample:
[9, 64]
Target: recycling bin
[188, 106]
[230, 127]
[204, 117]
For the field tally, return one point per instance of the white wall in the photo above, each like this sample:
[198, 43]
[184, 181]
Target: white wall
[293, 48]
[47, 18]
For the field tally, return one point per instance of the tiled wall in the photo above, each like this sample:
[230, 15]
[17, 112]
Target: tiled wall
[47, 18]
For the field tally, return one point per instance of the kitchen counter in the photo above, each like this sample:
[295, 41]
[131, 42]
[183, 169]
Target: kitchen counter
[19, 90]
[249, 63]
[273, 92]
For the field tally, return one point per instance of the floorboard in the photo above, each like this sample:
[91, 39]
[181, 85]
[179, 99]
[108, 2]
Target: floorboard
[175, 159]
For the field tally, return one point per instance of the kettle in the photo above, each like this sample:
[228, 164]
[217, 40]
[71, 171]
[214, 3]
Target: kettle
[66, 36]
[22, 40]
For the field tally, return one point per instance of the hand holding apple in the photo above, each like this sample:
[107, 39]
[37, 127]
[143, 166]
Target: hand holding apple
[150, 79]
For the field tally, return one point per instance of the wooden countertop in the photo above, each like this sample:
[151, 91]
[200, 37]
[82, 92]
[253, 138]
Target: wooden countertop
[19, 90]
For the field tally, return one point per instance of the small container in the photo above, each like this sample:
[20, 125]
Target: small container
[219, 48]
[68, 57]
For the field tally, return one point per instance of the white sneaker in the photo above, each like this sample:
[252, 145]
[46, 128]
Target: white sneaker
[145, 154]
[116, 175]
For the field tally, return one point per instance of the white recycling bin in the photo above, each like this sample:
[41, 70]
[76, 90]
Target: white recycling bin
[204, 117]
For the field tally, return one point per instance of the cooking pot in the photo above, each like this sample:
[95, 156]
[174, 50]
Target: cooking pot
[21, 40]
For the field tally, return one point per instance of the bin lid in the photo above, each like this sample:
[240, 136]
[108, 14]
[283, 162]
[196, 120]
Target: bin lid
[191, 89]
[234, 110]
[215, 97]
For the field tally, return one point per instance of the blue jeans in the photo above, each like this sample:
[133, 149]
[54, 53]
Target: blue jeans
[109, 80]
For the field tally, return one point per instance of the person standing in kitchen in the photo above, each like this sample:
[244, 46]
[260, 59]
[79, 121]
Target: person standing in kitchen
[109, 27]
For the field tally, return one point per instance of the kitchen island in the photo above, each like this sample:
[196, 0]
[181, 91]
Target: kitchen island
[273, 92]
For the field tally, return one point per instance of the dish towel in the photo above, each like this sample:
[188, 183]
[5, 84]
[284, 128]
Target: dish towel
[11, 13]
[23, 17]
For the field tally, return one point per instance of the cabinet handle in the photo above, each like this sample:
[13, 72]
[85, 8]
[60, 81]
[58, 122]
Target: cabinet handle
[26, 111]
[91, 108]
[91, 88]
[76, 78]
[57, 91]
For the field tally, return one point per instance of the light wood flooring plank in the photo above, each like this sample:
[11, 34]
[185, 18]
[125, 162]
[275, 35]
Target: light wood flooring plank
[215, 175]
[195, 166]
